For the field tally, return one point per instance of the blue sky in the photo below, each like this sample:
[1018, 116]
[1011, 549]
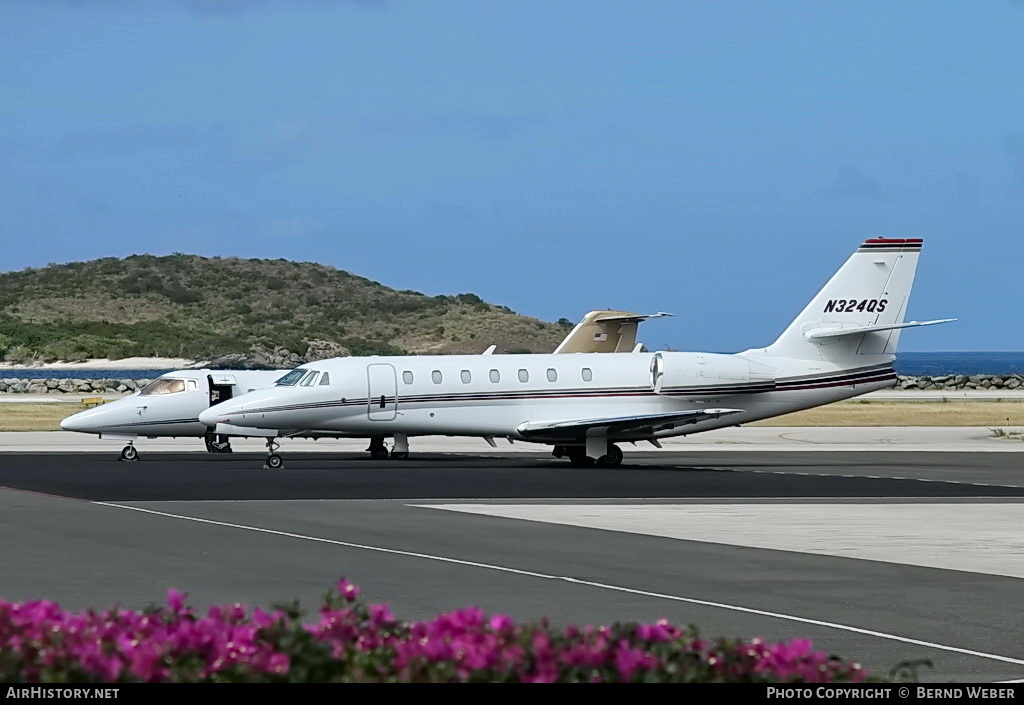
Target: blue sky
[718, 160]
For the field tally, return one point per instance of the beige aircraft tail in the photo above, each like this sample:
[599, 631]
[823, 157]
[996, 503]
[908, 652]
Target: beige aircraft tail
[605, 332]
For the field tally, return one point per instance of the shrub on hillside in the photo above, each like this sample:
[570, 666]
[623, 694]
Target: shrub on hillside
[350, 641]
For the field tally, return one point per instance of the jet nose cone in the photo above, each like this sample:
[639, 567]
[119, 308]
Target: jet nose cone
[88, 421]
[212, 416]
[71, 423]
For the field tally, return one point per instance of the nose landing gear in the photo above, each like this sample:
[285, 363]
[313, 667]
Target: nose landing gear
[273, 461]
[129, 453]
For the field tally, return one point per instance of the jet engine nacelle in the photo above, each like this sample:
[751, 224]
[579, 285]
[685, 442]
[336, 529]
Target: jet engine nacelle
[672, 371]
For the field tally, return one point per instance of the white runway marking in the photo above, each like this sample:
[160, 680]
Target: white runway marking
[576, 581]
[854, 477]
[979, 538]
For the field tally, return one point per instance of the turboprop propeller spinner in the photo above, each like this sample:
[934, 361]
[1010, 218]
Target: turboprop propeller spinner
[842, 345]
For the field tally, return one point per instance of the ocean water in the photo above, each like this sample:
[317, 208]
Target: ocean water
[960, 363]
[910, 363]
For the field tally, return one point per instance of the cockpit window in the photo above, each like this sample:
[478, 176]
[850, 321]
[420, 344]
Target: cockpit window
[325, 380]
[292, 378]
[310, 379]
[164, 386]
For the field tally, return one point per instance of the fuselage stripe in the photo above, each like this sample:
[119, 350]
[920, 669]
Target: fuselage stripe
[790, 384]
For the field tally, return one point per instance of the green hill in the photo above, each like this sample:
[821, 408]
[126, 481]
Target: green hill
[201, 308]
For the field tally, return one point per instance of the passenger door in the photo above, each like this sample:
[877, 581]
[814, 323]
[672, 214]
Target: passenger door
[220, 388]
[382, 394]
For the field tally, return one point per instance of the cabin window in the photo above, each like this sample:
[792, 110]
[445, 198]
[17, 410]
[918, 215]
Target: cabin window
[292, 378]
[552, 375]
[325, 380]
[310, 379]
[407, 377]
[524, 376]
[466, 377]
[191, 385]
[164, 386]
[588, 375]
[495, 376]
[435, 376]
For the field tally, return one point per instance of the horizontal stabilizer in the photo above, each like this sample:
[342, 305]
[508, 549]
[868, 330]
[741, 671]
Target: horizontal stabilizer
[630, 317]
[621, 424]
[822, 333]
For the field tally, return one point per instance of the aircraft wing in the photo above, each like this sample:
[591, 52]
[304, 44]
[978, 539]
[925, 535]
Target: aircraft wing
[620, 424]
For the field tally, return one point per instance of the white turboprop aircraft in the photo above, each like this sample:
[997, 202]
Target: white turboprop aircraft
[170, 405]
[841, 345]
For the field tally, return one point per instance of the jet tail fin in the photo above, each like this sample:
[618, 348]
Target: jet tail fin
[857, 317]
[605, 331]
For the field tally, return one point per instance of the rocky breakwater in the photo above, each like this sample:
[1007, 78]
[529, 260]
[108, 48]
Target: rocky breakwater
[962, 382]
[14, 385]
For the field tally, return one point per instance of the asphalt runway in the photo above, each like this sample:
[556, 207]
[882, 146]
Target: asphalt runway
[239, 476]
[835, 546]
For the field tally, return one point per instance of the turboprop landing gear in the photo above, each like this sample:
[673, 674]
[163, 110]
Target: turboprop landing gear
[273, 461]
[378, 451]
[401, 449]
[130, 453]
[217, 444]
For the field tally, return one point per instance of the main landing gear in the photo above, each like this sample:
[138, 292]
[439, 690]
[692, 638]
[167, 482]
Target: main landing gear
[217, 444]
[379, 451]
[400, 451]
[612, 458]
[129, 453]
[578, 456]
[273, 461]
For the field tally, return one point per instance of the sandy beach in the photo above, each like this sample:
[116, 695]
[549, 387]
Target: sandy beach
[128, 363]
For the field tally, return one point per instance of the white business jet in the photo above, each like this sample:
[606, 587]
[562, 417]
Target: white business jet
[841, 345]
[170, 405]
